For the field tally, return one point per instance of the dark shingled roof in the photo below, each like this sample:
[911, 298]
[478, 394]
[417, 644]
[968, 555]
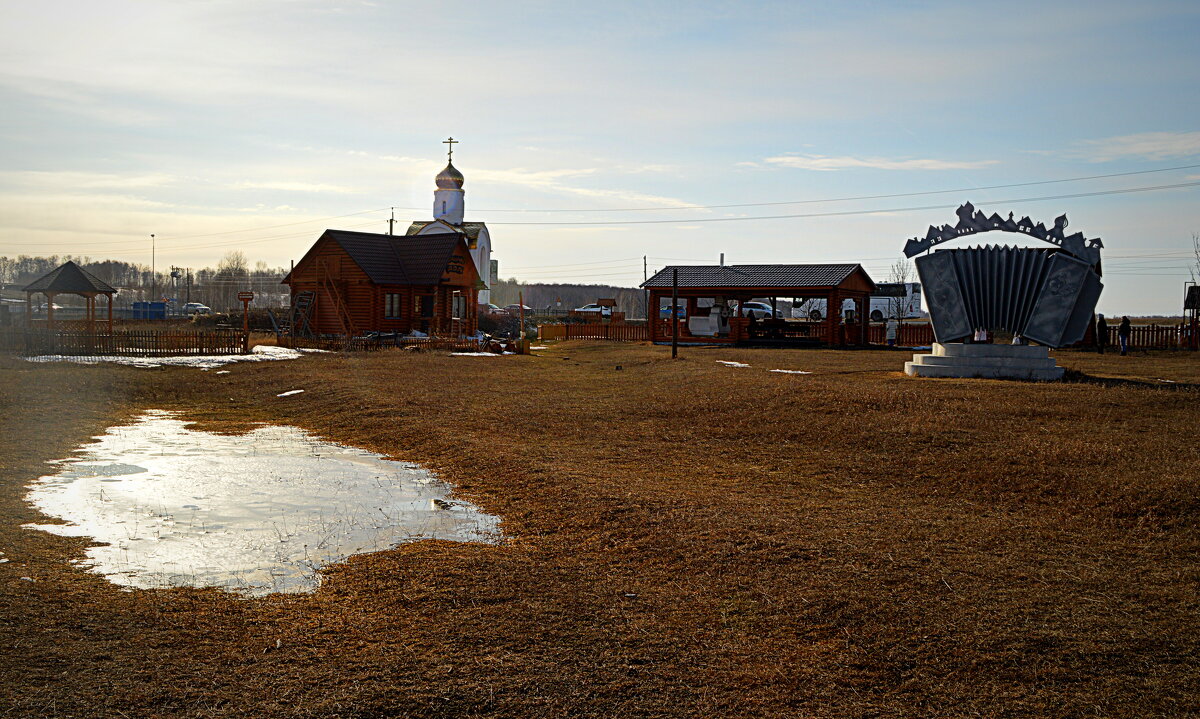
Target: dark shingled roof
[392, 260]
[70, 278]
[470, 229]
[754, 275]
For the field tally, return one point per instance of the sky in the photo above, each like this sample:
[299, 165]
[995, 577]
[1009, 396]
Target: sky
[254, 125]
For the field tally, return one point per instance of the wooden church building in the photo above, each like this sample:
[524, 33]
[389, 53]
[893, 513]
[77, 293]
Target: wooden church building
[350, 283]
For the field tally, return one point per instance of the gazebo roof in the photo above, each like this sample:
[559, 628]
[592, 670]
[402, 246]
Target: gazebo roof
[758, 276]
[70, 278]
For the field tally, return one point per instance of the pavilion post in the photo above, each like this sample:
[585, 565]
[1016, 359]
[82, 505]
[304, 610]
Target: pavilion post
[110, 300]
[49, 310]
[28, 310]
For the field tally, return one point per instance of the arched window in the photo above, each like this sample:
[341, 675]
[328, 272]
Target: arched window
[443, 207]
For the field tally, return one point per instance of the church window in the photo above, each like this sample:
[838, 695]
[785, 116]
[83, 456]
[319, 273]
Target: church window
[458, 306]
[443, 207]
[391, 306]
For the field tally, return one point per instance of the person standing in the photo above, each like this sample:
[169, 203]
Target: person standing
[1101, 333]
[893, 329]
[1123, 335]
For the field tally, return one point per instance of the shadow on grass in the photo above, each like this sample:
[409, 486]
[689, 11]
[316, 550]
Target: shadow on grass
[1076, 377]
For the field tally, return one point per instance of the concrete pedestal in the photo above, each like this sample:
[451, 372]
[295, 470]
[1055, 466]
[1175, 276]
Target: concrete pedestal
[1029, 362]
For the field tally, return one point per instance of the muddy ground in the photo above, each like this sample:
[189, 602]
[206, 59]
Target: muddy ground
[684, 539]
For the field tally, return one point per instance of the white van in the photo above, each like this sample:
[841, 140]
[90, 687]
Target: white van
[890, 299]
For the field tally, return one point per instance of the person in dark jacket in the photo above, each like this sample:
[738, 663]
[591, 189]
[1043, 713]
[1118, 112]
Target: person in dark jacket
[1123, 335]
[1101, 333]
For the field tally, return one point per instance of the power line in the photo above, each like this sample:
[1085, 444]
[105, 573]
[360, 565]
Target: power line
[845, 213]
[852, 198]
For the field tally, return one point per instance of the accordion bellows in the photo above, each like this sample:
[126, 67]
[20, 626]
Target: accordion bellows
[1044, 295]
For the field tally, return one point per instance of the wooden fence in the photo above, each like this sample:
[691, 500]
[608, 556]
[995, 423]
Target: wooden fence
[595, 331]
[124, 343]
[1156, 337]
[373, 344]
[909, 335]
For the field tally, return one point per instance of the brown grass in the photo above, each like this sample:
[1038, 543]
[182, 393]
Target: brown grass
[686, 539]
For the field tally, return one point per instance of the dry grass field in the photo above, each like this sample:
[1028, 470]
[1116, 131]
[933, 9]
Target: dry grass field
[684, 539]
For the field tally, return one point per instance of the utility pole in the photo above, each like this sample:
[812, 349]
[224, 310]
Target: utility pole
[645, 290]
[674, 314]
[392, 221]
[153, 274]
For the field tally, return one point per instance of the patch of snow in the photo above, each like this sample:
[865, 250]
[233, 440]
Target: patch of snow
[789, 371]
[1168, 381]
[540, 347]
[260, 353]
[224, 371]
[476, 354]
[3, 559]
[729, 363]
[289, 393]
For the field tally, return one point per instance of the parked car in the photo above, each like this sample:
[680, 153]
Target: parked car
[758, 310]
[195, 308]
[590, 308]
[492, 310]
[516, 308]
[45, 306]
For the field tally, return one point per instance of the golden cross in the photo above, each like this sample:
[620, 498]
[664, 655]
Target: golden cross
[450, 152]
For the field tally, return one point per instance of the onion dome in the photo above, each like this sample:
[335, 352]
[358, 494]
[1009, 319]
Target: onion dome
[449, 178]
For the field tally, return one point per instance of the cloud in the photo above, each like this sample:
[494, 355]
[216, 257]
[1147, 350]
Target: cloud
[825, 163]
[1140, 146]
[294, 187]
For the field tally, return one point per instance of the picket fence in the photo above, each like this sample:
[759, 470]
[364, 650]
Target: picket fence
[124, 343]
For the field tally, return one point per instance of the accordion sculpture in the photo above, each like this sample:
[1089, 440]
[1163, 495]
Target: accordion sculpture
[1045, 295]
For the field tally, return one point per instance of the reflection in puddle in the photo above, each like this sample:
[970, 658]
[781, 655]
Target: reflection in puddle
[255, 513]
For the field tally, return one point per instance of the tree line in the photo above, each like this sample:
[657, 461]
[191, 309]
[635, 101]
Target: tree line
[216, 287]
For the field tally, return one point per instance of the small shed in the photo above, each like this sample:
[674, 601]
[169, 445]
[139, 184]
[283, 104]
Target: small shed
[711, 299]
[355, 282]
[69, 279]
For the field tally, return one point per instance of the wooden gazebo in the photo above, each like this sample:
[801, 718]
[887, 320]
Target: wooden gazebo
[69, 279]
[707, 292]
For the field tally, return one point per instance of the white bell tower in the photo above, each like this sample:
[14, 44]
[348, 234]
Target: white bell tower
[448, 204]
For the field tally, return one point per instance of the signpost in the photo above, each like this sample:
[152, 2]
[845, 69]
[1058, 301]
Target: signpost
[245, 298]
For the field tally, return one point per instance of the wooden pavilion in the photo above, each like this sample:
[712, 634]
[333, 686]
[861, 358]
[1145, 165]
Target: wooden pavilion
[349, 283]
[711, 298]
[69, 279]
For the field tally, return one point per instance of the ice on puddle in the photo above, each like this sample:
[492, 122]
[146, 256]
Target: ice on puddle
[289, 393]
[789, 371]
[254, 513]
[730, 363]
[259, 353]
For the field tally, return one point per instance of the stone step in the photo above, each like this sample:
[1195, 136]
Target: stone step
[1016, 363]
[916, 369]
[955, 349]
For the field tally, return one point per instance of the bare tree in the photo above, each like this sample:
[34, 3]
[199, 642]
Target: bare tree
[1194, 270]
[901, 274]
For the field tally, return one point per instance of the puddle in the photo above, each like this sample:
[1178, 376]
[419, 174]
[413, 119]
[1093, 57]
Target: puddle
[260, 353]
[253, 513]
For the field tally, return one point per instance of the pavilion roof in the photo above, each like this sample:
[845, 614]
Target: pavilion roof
[70, 278]
[756, 276]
